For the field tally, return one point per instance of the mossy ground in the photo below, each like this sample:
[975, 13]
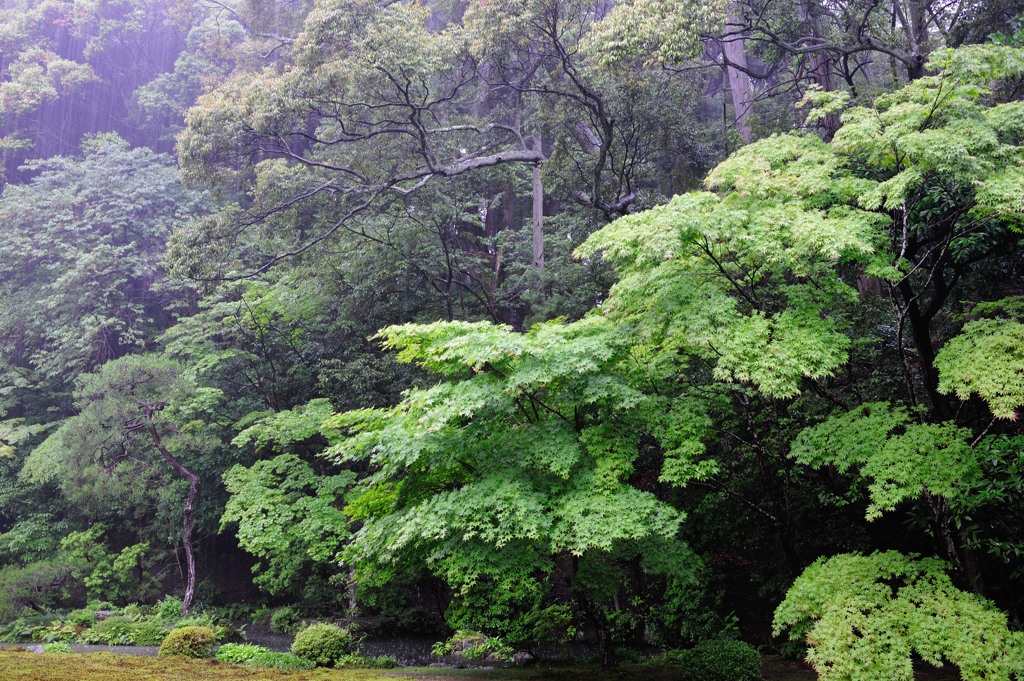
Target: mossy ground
[27, 666]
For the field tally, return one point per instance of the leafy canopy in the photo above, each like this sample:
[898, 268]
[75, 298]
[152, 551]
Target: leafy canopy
[864, 617]
[524, 452]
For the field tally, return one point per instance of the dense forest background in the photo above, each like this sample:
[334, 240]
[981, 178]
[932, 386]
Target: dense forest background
[544, 318]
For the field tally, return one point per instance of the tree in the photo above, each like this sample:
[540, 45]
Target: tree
[537, 457]
[863, 617]
[138, 416]
[287, 513]
[71, 68]
[757, 291]
[82, 272]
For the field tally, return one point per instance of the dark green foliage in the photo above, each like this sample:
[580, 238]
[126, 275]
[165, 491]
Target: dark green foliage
[721, 659]
[360, 662]
[325, 644]
[40, 586]
[189, 642]
[284, 620]
[102, 289]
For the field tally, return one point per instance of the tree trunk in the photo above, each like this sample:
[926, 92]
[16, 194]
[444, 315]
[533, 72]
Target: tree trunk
[188, 514]
[736, 66]
[538, 210]
[352, 585]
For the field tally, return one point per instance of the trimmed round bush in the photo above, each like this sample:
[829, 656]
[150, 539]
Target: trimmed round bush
[189, 642]
[721, 660]
[324, 644]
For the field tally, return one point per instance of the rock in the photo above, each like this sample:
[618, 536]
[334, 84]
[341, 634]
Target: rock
[522, 658]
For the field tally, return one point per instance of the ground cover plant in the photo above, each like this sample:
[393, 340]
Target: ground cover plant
[103, 624]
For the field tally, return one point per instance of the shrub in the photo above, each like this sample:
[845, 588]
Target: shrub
[200, 620]
[113, 631]
[472, 645]
[58, 632]
[324, 644]
[82, 618]
[169, 609]
[21, 629]
[284, 620]
[272, 660]
[237, 653]
[147, 633]
[720, 660]
[189, 642]
[258, 656]
[124, 631]
[262, 614]
[57, 648]
[229, 634]
[358, 661]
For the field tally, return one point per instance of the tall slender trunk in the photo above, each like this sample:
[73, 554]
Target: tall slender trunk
[538, 210]
[188, 514]
[736, 67]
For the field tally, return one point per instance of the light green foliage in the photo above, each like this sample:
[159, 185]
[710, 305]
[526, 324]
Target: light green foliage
[283, 429]
[523, 453]
[940, 126]
[706, 274]
[663, 31]
[749, 278]
[864, 617]
[287, 514]
[57, 648]
[899, 457]
[257, 656]
[363, 662]
[986, 358]
[168, 609]
[325, 644]
[106, 575]
[473, 645]
[189, 642]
